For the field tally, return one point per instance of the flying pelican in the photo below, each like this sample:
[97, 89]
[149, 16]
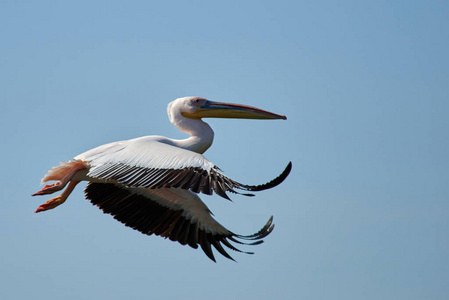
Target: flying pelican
[151, 183]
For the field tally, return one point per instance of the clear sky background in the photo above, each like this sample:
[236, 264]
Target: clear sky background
[364, 84]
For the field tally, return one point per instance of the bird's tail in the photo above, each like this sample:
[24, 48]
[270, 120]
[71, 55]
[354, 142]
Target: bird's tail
[58, 172]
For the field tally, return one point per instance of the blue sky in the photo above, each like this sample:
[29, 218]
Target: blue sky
[364, 213]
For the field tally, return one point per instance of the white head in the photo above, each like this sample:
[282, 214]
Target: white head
[187, 113]
[198, 108]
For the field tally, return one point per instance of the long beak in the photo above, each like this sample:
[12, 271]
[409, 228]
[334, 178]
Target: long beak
[213, 109]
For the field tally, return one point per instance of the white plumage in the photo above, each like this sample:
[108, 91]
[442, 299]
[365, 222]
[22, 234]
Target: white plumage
[151, 183]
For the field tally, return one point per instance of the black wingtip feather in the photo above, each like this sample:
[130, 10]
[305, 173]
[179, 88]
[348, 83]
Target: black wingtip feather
[196, 179]
[275, 182]
[142, 214]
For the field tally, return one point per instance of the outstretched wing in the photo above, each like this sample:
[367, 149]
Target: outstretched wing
[177, 214]
[150, 163]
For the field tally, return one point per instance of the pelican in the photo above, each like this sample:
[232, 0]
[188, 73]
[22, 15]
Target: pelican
[151, 183]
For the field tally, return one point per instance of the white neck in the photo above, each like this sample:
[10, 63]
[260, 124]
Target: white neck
[201, 135]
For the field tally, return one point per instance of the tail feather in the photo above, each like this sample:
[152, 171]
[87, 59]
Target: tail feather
[58, 172]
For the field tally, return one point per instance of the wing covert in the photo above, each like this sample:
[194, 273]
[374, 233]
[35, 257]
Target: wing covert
[152, 164]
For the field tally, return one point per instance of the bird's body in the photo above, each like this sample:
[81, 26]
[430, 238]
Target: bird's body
[151, 183]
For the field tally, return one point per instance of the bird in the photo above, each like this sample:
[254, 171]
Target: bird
[152, 183]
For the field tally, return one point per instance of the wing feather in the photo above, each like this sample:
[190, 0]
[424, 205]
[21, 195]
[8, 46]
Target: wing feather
[151, 163]
[175, 214]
